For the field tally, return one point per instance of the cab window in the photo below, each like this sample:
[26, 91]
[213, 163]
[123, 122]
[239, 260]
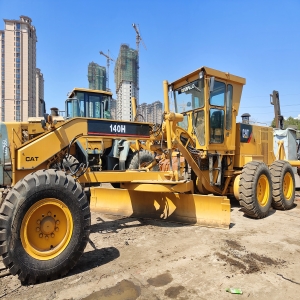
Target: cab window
[229, 106]
[217, 96]
[199, 126]
[216, 118]
[189, 96]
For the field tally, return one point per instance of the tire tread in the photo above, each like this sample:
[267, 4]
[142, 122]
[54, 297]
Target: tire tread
[278, 169]
[14, 200]
[247, 188]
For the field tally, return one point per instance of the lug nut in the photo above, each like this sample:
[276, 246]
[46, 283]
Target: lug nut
[57, 222]
[38, 229]
[52, 235]
[38, 222]
[49, 213]
[41, 235]
[46, 237]
[56, 229]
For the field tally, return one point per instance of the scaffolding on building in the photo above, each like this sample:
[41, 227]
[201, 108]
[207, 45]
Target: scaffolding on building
[96, 77]
[126, 66]
[126, 77]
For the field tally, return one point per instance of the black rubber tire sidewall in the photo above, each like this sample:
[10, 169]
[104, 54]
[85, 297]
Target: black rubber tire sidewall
[69, 164]
[25, 265]
[144, 156]
[248, 189]
[262, 170]
[281, 168]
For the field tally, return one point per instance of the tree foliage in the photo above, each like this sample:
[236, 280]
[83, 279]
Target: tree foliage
[289, 122]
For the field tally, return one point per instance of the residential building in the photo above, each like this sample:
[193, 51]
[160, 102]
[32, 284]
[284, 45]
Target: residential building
[151, 113]
[142, 112]
[19, 76]
[126, 73]
[113, 109]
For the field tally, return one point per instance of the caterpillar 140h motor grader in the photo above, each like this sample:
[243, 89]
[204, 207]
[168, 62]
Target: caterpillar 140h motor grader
[52, 174]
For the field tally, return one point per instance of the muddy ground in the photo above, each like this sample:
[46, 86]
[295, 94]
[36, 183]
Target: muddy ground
[131, 259]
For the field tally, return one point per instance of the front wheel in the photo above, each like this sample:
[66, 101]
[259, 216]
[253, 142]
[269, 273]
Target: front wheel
[283, 185]
[44, 226]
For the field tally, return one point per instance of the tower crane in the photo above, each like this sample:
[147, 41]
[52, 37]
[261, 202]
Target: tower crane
[108, 59]
[138, 38]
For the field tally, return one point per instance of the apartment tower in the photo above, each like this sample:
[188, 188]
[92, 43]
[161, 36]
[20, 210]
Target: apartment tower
[126, 80]
[113, 109]
[96, 77]
[151, 113]
[21, 85]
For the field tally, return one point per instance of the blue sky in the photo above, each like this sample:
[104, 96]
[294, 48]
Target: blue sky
[258, 40]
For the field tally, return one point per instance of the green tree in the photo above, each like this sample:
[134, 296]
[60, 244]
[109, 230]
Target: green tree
[289, 122]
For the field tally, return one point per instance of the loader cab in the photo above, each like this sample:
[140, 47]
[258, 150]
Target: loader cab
[208, 98]
[88, 103]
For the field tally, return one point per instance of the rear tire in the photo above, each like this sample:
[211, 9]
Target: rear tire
[255, 190]
[145, 157]
[44, 226]
[283, 181]
[69, 164]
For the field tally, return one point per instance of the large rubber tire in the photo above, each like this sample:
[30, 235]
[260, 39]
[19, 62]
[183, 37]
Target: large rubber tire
[69, 164]
[255, 190]
[283, 181]
[145, 158]
[44, 226]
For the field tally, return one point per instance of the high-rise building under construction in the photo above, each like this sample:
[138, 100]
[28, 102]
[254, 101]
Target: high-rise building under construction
[126, 80]
[96, 77]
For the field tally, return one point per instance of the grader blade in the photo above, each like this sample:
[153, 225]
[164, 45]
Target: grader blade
[202, 210]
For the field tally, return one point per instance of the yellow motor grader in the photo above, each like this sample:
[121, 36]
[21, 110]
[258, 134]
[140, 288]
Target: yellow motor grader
[181, 170]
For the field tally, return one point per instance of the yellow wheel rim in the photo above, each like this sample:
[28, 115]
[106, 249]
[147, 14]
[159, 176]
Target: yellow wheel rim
[46, 229]
[263, 190]
[288, 186]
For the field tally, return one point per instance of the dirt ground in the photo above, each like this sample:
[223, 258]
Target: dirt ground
[130, 259]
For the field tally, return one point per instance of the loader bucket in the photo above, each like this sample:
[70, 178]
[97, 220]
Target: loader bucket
[202, 210]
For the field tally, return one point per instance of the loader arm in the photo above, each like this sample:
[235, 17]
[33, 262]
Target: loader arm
[36, 153]
[186, 146]
[30, 155]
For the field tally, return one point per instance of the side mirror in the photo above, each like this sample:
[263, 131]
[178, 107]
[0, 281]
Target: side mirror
[211, 83]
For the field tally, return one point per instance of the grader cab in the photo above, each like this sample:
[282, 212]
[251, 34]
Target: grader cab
[182, 170]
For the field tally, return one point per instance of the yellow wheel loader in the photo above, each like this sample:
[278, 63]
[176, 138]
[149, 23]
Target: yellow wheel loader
[182, 170]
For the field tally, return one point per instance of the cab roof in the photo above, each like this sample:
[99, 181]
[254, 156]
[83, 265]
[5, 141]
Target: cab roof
[71, 95]
[211, 73]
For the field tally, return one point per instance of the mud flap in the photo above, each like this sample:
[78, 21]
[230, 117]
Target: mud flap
[202, 210]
